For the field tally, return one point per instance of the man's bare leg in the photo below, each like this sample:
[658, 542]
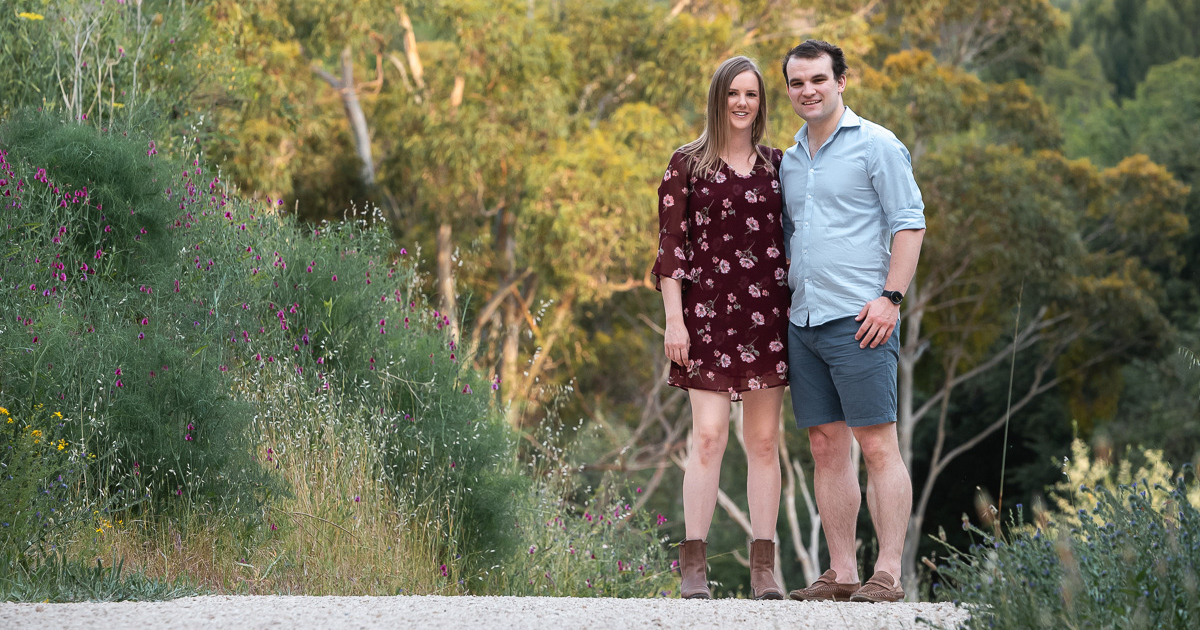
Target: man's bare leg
[889, 492]
[838, 500]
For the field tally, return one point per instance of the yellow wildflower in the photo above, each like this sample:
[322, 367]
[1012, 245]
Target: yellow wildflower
[31, 16]
[37, 433]
[3, 411]
[62, 444]
[58, 414]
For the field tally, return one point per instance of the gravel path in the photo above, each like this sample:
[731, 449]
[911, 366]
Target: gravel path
[498, 613]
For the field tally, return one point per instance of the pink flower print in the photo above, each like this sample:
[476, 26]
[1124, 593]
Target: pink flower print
[757, 318]
[719, 177]
[747, 262]
[724, 266]
[667, 175]
[781, 367]
[701, 310]
[683, 226]
[731, 332]
[775, 346]
[747, 357]
[679, 253]
[775, 185]
[709, 283]
[752, 224]
[780, 273]
[751, 196]
[727, 203]
[707, 338]
[762, 198]
[677, 274]
[725, 361]
[726, 238]
[668, 201]
[704, 246]
[755, 383]
[704, 191]
[772, 252]
[731, 297]
[755, 291]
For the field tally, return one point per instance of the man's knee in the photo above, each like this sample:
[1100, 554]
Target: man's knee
[830, 443]
[879, 443]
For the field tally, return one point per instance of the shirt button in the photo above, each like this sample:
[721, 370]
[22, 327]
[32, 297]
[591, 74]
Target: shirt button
[806, 251]
[806, 224]
[810, 196]
[812, 170]
[807, 280]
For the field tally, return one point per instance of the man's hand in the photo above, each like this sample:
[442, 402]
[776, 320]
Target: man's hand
[878, 317]
[676, 344]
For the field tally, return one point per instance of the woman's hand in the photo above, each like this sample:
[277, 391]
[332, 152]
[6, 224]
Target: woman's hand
[676, 343]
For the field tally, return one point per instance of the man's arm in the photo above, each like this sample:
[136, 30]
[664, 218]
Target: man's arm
[879, 316]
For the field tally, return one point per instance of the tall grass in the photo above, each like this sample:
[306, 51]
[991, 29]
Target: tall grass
[1115, 555]
[254, 406]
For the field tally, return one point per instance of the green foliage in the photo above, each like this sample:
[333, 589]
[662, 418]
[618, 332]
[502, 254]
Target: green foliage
[57, 579]
[1127, 561]
[158, 422]
[229, 292]
[582, 541]
[38, 468]
[1132, 36]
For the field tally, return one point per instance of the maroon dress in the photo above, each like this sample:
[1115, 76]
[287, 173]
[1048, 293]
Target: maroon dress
[722, 237]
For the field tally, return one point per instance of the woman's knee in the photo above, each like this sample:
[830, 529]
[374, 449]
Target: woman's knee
[709, 443]
[762, 447]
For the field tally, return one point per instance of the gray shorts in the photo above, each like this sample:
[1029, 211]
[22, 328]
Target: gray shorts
[833, 380]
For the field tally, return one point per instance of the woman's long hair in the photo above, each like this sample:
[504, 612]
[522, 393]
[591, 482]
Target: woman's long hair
[704, 153]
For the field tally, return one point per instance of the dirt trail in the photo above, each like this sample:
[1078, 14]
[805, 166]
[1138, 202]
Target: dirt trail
[494, 613]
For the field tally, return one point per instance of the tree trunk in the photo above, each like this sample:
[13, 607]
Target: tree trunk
[910, 352]
[511, 316]
[445, 274]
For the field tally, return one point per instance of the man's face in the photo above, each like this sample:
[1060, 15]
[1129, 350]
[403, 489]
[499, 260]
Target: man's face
[814, 93]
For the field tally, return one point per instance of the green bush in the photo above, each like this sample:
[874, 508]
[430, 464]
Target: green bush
[1129, 562]
[149, 332]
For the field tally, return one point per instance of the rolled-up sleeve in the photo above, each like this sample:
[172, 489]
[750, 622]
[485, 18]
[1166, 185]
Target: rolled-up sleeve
[674, 246]
[891, 172]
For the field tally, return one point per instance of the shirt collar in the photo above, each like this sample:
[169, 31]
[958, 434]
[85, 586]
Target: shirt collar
[848, 119]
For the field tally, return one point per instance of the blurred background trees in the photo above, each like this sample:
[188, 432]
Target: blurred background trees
[516, 144]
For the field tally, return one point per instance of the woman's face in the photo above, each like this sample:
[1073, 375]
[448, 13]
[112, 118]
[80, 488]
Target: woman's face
[742, 101]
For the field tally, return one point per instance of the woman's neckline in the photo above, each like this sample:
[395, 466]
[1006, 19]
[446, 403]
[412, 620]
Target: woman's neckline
[753, 167]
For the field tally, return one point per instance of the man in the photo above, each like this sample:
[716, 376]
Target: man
[849, 189]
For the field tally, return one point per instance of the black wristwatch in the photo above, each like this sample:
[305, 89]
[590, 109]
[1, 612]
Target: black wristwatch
[895, 296]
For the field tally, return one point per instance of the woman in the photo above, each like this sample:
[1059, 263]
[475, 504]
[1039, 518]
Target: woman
[723, 279]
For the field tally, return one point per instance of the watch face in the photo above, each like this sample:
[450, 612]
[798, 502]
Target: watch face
[895, 296]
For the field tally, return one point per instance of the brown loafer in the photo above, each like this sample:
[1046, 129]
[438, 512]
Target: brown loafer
[825, 589]
[882, 587]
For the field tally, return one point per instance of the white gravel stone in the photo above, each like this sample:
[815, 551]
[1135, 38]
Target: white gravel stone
[498, 613]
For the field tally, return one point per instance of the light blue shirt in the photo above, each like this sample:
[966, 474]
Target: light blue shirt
[842, 208]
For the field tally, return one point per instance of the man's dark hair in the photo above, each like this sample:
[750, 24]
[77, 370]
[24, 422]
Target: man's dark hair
[813, 49]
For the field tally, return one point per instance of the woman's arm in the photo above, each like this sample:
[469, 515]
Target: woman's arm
[676, 341]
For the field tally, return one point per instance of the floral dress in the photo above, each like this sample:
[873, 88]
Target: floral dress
[722, 237]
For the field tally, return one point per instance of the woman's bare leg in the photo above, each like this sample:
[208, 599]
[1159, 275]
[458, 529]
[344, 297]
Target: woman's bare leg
[710, 433]
[760, 429]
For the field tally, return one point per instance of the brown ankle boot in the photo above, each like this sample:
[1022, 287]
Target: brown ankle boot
[693, 565]
[762, 570]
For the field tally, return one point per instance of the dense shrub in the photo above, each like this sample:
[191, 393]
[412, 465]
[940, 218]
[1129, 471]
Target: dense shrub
[144, 320]
[1125, 556]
